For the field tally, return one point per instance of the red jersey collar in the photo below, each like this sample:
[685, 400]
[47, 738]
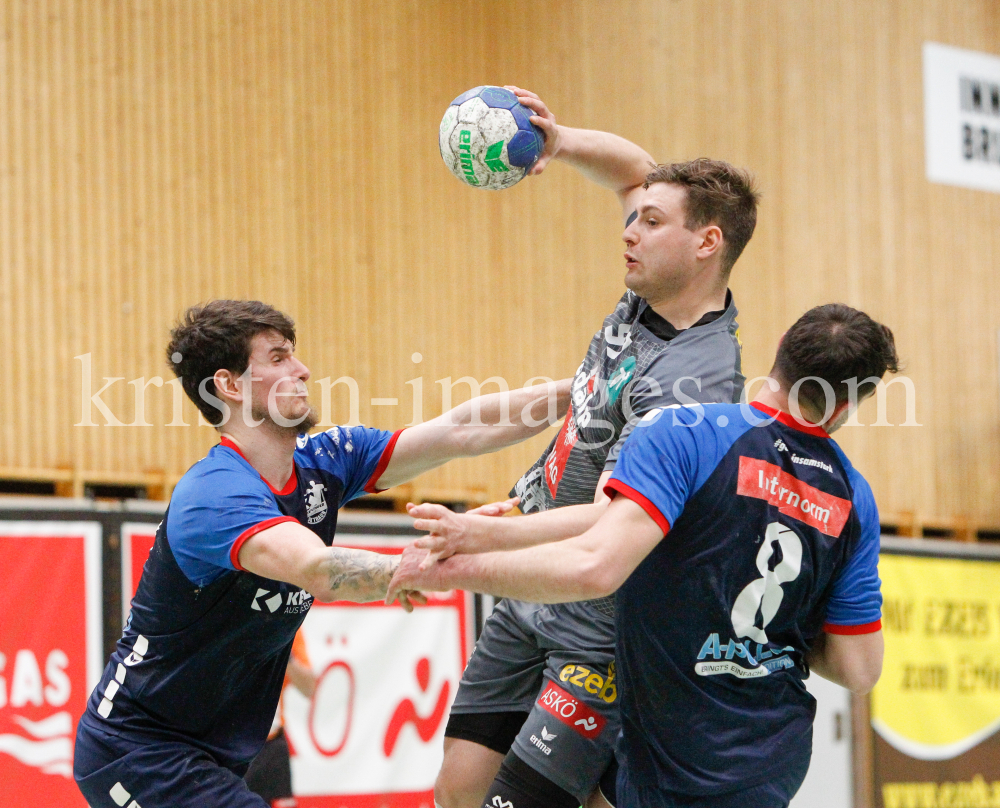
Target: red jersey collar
[789, 420]
[293, 481]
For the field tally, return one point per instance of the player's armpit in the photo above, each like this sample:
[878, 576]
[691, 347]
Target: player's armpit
[853, 661]
[290, 552]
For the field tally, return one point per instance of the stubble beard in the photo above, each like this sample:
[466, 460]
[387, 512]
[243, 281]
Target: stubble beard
[305, 425]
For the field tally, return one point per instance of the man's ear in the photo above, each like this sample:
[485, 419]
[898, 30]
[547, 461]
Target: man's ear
[711, 241]
[228, 385]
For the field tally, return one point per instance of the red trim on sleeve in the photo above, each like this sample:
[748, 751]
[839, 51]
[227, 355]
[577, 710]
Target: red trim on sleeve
[789, 420]
[383, 461]
[618, 487]
[864, 628]
[290, 486]
[234, 551]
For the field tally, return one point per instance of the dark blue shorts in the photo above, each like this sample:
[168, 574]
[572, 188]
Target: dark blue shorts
[115, 773]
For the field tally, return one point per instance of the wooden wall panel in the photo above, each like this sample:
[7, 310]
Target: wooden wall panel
[158, 153]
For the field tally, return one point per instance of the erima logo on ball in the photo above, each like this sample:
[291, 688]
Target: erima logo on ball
[465, 156]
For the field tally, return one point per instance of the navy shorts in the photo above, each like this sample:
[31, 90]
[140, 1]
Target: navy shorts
[115, 773]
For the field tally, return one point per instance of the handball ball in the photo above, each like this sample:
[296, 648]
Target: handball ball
[487, 139]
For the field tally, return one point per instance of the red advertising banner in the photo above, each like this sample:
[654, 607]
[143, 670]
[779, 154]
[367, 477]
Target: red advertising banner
[372, 735]
[51, 655]
[137, 542]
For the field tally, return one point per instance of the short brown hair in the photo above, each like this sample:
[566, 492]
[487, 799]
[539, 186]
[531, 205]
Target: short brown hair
[837, 344]
[717, 193]
[218, 336]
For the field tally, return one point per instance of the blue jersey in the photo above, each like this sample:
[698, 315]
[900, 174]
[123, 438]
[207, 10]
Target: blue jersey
[203, 655]
[771, 537]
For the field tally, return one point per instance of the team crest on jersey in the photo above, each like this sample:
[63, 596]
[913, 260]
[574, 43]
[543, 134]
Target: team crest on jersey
[316, 507]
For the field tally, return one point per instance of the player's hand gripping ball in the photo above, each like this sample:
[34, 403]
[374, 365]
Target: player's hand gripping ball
[487, 139]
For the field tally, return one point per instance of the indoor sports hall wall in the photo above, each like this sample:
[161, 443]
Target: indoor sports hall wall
[155, 154]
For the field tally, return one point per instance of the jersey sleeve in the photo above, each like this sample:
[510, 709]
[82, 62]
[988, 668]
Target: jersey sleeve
[702, 370]
[212, 514]
[657, 467]
[356, 455]
[856, 604]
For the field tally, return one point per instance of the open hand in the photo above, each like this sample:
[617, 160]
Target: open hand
[451, 532]
[544, 120]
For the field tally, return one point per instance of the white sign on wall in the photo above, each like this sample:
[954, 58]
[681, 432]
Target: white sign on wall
[962, 117]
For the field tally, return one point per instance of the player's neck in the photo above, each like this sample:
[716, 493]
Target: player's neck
[267, 450]
[684, 309]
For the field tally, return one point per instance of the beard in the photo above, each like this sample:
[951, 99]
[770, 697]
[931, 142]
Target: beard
[300, 426]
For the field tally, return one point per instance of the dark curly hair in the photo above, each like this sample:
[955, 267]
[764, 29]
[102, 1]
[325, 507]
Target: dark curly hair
[218, 336]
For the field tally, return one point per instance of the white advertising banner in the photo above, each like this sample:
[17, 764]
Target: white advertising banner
[962, 117]
[372, 735]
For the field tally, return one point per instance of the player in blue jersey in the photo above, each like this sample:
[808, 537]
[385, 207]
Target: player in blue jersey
[189, 694]
[743, 549]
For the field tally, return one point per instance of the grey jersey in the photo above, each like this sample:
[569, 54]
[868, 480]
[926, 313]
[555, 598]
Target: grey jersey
[627, 372]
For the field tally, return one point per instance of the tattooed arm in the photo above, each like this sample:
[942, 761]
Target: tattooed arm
[289, 552]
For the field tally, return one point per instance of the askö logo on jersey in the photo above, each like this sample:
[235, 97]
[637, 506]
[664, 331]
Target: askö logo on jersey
[794, 498]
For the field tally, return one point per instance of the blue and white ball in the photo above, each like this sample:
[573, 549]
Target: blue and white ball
[487, 139]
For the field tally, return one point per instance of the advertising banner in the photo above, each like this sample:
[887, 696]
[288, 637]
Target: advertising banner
[372, 735]
[51, 655]
[936, 709]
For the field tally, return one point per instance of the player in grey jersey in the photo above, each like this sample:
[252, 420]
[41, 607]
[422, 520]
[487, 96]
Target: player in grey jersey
[535, 718]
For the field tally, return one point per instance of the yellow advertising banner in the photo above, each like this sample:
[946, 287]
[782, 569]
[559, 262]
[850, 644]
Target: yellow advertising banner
[936, 709]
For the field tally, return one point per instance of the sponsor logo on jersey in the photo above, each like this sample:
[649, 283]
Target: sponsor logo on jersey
[273, 602]
[555, 463]
[302, 441]
[780, 445]
[794, 498]
[500, 802]
[316, 507]
[717, 658]
[591, 681]
[572, 712]
[546, 735]
[618, 338]
[620, 378]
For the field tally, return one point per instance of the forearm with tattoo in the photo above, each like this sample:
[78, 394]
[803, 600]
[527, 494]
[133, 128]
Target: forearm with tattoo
[358, 575]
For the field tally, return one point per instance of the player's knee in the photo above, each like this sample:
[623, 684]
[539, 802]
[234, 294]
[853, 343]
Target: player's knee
[454, 788]
[517, 784]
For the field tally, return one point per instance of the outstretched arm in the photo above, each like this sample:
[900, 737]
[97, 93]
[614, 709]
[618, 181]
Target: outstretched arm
[292, 553]
[481, 425]
[602, 157]
[588, 566]
[451, 533]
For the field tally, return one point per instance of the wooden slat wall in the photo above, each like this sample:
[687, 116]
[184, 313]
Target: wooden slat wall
[156, 154]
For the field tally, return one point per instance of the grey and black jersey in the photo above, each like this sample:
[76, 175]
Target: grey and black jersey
[627, 372]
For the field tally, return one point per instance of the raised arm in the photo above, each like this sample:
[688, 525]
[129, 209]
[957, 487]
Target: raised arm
[602, 157]
[479, 426]
[293, 553]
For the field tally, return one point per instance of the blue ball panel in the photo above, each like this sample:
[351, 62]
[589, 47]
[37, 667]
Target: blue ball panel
[468, 94]
[521, 114]
[499, 98]
[523, 149]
